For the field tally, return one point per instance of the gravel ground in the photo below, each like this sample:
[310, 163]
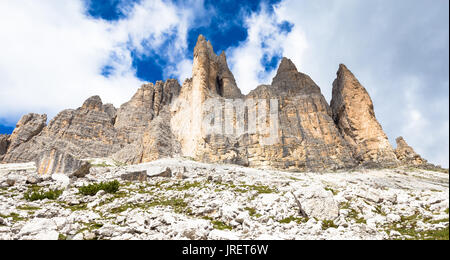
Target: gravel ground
[210, 201]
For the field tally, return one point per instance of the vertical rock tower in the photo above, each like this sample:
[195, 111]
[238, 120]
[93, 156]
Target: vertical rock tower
[355, 118]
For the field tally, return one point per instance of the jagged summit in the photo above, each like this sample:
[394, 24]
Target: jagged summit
[211, 74]
[93, 103]
[287, 81]
[163, 119]
[286, 65]
[342, 67]
[354, 114]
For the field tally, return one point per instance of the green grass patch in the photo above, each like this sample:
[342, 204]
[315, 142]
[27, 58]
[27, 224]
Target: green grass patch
[118, 164]
[335, 192]
[27, 208]
[15, 217]
[352, 213]
[293, 219]
[379, 210]
[178, 205]
[92, 189]
[36, 194]
[184, 186]
[445, 220]
[261, 189]
[407, 227]
[326, 224]
[252, 212]
[82, 206]
[220, 225]
[62, 237]
[440, 234]
[102, 165]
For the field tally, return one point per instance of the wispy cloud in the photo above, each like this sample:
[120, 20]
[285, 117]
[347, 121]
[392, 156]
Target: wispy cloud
[266, 40]
[54, 55]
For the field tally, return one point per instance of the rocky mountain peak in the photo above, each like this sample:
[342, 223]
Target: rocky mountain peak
[211, 74]
[289, 80]
[4, 143]
[343, 68]
[203, 47]
[286, 65]
[93, 103]
[27, 127]
[408, 157]
[354, 115]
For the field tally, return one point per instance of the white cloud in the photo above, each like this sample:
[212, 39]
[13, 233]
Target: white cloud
[182, 70]
[264, 39]
[400, 55]
[52, 53]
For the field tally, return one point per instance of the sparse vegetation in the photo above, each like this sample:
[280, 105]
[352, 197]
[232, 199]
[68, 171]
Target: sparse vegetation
[220, 225]
[326, 224]
[445, 220]
[92, 189]
[184, 186]
[252, 212]
[261, 189]
[36, 194]
[103, 164]
[335, 192]
[407, 227]
[15, 217]
[440, 234]
[118, 164]
[379, 210]
[82, 206]
[28, 208]
[292, 218]
[178, 205]
[352, 213]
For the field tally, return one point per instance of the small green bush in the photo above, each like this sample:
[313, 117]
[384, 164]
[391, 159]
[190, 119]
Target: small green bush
[33, 194]
[92, 189]
[326, 224]
[220, 225]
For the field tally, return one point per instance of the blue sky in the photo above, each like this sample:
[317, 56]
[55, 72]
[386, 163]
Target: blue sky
[222, 24]
[55, 54]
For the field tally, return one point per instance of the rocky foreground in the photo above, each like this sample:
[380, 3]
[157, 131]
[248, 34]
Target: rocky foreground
[184, 199]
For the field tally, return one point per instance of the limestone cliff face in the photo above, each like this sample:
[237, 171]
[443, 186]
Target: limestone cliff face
[306, 137]
[134, 117]
[93, 130]
[285, 125]
[56, 161]
[289, 81]
[27, 127]
[354, 115]
[211, 78]
[73, 134]
[210, 72]
[309, 139]
[4, 143]
[407, 155]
